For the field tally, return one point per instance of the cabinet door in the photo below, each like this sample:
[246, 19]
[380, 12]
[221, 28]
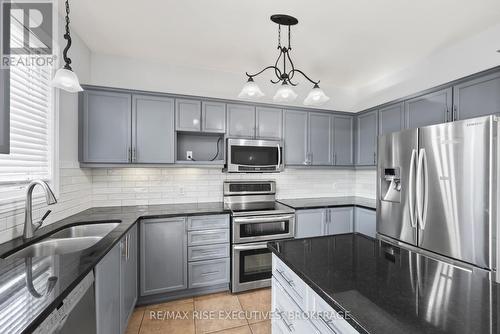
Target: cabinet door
[107, 292]
[188, 115]
[295, 139]
[128, 276]
[106, 126]
[340, 221]
[310, 223]
[429, 109]
[4, 111]
[153, 133]
[213, 115]
[366, 139]
[163, 255]
[320, 139]
[269, 123]
[391, 118]
[241, 120]
[365, 222]
[343, 140]
[478, 97]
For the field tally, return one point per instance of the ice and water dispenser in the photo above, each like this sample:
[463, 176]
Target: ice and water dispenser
[390, 185]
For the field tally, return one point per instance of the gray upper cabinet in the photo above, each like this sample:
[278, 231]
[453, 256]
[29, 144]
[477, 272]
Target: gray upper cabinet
[4, 111]
[188, 115]
[128, 276]
[366, 138]
[320, 139]
[310, 223]
[107, 292]
[391, 118]
[163, 256]
[295, 137]
[343, 140]
[213, 116]
[241, 120]
[105, 127]
[269, 122]
[478, 97]
[153, 131]
[433, 108]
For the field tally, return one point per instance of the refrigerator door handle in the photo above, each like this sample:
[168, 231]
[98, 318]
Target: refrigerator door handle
[419, 189]
[425, 171]
[411, 200]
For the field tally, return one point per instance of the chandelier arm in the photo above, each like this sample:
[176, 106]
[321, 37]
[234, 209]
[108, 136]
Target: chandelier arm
[264, 69]
[277, 71]
[292, 71]
[305, 76]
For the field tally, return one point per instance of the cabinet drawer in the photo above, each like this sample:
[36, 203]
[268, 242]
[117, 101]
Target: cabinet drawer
[296, 287]
[208, 222]
[206, 273]
[328, 320]
[209, 252]
[208, 237]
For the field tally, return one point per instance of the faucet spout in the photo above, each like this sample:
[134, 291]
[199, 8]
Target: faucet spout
[50, 198]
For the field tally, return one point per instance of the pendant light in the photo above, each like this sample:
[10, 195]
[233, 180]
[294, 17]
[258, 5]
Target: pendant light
[285, 74]
[65, 78]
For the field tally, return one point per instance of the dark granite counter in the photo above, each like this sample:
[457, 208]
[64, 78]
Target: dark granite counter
[325, 202]
[20, 311]
[386, 289]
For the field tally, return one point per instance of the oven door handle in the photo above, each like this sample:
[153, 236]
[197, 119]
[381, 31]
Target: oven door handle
[260, 245]
[279, 157]
[242, 220]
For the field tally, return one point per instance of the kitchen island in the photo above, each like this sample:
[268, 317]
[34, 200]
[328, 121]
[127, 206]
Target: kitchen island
[380, 288]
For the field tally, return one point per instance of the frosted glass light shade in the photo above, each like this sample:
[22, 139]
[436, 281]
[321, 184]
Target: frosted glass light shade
[66, 80]
[285, 94]
[316, 97]
[250, 91]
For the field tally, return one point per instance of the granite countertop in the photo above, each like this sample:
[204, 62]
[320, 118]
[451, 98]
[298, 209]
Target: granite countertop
[324, 202]
[26, 311]
[386, 289]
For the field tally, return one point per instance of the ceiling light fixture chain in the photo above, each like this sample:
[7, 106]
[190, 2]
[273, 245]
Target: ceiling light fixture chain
[285, 74]
[67, 37]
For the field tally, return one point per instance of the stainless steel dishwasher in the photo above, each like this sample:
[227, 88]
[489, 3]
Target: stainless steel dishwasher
[76, 314]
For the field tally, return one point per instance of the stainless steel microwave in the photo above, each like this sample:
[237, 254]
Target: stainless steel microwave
[254, 156]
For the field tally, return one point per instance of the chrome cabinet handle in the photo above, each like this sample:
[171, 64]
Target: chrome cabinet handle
[374, 158]
[208, 273]
[454, 113]
[130, 154]
[410, 189]
[288, 326]
[134, 155]
[328, 323]
[288, 280]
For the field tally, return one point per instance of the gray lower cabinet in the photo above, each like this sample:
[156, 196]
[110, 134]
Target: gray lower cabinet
[269, 123]
[391, 118]
[107, 292]
[153, 129]
[213, 117]
[163, 256]
[340, 220]
[433, 108]
[295, 137]
[241, 120]
[4, 111]
[477, 97]
[343, 140]
[187, 115]
[209, 272]
[128, 276]
[105, 127]
[365, 221]
[366, 138]
[320, 139]
[310, 223]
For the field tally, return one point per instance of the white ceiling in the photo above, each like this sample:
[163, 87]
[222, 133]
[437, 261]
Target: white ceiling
[345, 43]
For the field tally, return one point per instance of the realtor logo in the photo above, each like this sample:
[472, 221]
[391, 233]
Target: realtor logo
[27, 32]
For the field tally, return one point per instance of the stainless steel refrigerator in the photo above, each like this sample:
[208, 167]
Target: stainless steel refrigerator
[438, 190]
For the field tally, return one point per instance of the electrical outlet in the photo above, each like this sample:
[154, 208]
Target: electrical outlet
[189, 155]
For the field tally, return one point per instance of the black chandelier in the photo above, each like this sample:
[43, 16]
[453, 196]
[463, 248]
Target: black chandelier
[284, 75]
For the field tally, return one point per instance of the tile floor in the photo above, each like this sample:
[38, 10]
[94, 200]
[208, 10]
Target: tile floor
[220, 313]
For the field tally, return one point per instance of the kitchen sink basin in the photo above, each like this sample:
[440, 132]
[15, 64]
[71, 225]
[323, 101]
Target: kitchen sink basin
[68, 240]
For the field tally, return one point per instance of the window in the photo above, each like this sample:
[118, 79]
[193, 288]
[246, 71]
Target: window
[31, 126]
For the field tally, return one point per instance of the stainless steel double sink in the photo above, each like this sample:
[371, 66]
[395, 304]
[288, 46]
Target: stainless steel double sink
[68, 240]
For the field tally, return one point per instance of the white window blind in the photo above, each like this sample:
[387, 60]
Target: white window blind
[31, 122]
